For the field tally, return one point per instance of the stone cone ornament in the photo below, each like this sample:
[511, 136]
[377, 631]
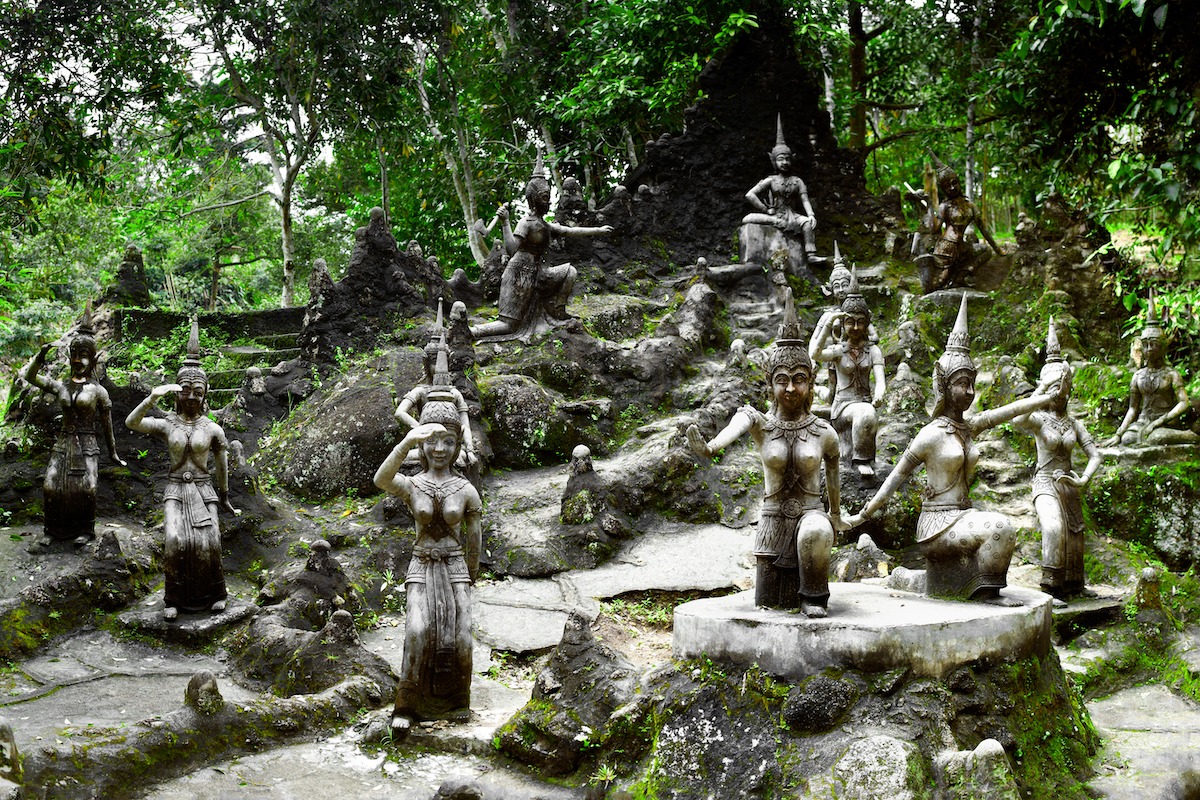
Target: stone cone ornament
[1152, 328]
[539, 168]
[780, 145]
[943, 170]
[838, 259]
[790, 349]
[855, 303]
[191, 369]
[958, 345]
[86, 325]
[1053, 349]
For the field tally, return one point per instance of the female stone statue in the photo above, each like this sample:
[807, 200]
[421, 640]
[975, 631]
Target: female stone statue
[1056, 488]
[195, 580]
[531, 294]
[951, 253]
[1156, 395]
[795, 534]
[69, 487]
[967, 551]
[856, 362]
[781, 200]
[435, 673]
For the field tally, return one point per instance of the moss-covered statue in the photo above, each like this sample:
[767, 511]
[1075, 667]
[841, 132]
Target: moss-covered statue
[967, 551]
[532, 295]
[195, 580]
[435, 672]
[857, 363]
[948, 264]
[795, 532]
[783, 218]
[69, 488]
[1157, 396]
[1057, 490]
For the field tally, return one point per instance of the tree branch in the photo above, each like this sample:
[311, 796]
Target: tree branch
[217, 206]
[896, 137]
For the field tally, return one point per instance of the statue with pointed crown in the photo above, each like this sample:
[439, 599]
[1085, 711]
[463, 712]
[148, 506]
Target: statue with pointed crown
[784, 210]
[435, 671]
[195, 579]
[533, 296]
[69, 487]
[948, 264]
[795, 531]
[1057, 489]
[966, 550]
[1157, 396]
[856, 363]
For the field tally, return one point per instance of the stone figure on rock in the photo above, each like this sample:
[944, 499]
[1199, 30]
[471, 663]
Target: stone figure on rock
[795, 532]
[967, 551]
[949, 263]
[1157, 396]
[533, 295]
[857, 363]
[435, 672]
[783, 219]
[440, 389]
[195, 580]
[1057, 489]
[72, 475]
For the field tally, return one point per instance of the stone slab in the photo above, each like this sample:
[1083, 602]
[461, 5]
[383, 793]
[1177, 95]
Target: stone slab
[869, 628]
[1151, 740]
[190, 629]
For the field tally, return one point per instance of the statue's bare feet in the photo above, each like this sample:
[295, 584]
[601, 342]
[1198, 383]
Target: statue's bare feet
[170, 613]
[865, 470]
[994, 598]
[813, 610]
[80, 541]
[218, 607]
[460, 715]
[401, 724]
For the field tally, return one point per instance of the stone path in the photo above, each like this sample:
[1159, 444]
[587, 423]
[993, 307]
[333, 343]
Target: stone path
[1151, 744]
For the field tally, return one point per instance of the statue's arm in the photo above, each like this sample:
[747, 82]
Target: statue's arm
[473, 533]
[32, 370]
[220, 451]
[808, 209]
[983, 231]
[388, 477]
[739, 424]
[821, 333]
[754, 196]
[1181, 400]
[914, 456]
[564, 230]
[407, 404]
[511, 243]
[1131, 414]
[1089, 447]
[104, 407]
[137, 419]
[996, 416]
[464, 422]
[833, 477]
[880, 378]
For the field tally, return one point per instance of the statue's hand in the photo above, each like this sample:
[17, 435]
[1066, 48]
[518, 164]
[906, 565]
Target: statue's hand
[165, 389]
[46, 348]
[696, 441]
[846, 523]
[223, 498]
[118, 460]
[1111, 441]
[877, 402]
[502, 213]
[607, 229]
[1070, 479]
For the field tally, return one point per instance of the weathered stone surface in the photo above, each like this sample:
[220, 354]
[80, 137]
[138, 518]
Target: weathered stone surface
[817, 704]
[982, 772]
[191, 629]
[614, 317]
[875, 767]
[1155, 731]
[868, 628]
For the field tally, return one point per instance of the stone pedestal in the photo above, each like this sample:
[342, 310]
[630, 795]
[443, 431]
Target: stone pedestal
[189, 629]
[869, 628]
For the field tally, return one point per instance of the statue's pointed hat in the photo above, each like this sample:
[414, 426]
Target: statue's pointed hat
[191, 369]
[855, 303]
[780, 145]
[1053, 349]
[539, 168]
[943, 170]
[1152, 329]
[790, 349]
[958, 345]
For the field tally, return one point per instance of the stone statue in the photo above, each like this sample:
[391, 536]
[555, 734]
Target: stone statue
[946, 266]
[1056, 488]
[830, 322]
[1156, 395]
[571, 206]
[782, 202]
[966, 551]
[69, 487]
[795, 533]
[533, 295]
[856, 361]
[435, 672]
[195, 580]
[440, 384]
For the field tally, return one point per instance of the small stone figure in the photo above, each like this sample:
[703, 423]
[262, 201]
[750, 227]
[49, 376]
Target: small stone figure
[856, 362]
[1156, 395]
[440, 388]
[69, 487]
[532, 295]
[783, 203]
[435, 672]
[571, 206]
[1056, 489]
[795, 533]
[946, 266]
[195, 580]
[967, 551]
[830, 322]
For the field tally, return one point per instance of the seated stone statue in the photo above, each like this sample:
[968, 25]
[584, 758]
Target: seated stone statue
[1057, 495]
[795, 533]
[966, 551]
[783, 218]
[533, 295]
[195, 580]
[1156, 395]
[856, 362]
[69, 487]
[948, 264]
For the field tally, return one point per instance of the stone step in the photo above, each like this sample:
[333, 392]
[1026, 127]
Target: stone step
[278, 341]
[250, 355]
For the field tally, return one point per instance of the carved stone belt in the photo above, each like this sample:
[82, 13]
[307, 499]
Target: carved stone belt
[794, 507]
[430, 554]
[188, 476]
[955, 505]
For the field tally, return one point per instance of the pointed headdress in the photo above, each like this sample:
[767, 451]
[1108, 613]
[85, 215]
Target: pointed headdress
[958, 347]
[944, 172]
[85, 334]
[780, 145]
[1152, 329]
[790, 349]
[1055, 364]
[191, 370]
[855, 303]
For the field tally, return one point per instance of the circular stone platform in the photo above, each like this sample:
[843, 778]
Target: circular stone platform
[869, 628]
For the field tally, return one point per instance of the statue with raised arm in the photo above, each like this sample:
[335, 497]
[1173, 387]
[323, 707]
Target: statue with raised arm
[532, 295]
[435, 671]
[947, 265]
[1157, 395]
[195, 579]
[1057, 489]
[69, 487]
[857, 363]
[967, 551]
[795, 532]
[781, 202]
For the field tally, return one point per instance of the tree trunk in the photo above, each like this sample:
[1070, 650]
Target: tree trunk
[384, 200]
[969, 178]
[858, 77]
[216, 278]
[827, 70]
[289, 248]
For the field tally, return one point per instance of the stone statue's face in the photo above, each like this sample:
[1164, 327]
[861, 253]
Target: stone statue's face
[841, 287]
[439, 449]
[783, 163]
[189, 401]
[791, 388]
[1152, 352]
[951, 187]
[81, 361]
[961, 391]
[855, 326]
